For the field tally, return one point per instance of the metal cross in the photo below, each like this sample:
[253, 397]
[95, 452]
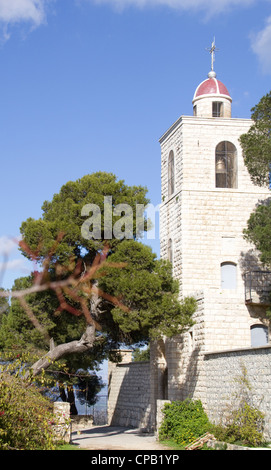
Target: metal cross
[212, 52]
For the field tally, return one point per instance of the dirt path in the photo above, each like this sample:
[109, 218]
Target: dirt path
[115, 438]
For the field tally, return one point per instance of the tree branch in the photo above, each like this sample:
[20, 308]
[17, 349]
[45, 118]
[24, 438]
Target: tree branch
[85, 343]
[81, 287]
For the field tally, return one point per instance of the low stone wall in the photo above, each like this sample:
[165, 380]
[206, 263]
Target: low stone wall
[160, 404]
[130, 400]
[129, 394]
[62, 427]
[224, 372]
[81, 422]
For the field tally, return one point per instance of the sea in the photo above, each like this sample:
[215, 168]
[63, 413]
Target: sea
[98, 411]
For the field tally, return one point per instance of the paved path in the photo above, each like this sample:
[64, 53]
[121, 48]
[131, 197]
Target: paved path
[115, 438]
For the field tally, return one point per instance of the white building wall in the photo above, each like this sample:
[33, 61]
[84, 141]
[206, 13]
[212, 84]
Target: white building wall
[205, 224]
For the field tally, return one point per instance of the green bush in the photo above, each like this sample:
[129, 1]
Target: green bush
[184, 421]
[26, 417]
[244, 426]
[241, 422]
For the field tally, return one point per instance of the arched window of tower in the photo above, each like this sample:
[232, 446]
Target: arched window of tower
[171, 173]
[226, 165]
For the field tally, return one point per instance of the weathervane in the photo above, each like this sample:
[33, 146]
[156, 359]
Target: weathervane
[212, 52]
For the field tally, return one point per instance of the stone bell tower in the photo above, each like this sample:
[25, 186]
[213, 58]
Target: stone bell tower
[207, 198]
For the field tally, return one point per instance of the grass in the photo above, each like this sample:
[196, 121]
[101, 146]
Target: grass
[68, 447]
[171, 444]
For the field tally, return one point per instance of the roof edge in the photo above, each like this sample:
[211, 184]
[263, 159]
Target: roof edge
[212, 95]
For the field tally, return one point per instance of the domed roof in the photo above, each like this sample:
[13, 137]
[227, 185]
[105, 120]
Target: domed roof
[211, 86]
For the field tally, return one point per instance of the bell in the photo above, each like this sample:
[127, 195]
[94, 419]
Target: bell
[220, 166]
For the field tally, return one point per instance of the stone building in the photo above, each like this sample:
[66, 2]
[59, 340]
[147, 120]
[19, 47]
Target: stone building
[207, 198]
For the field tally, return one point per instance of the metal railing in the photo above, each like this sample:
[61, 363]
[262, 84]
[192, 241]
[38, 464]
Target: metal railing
[258, 287]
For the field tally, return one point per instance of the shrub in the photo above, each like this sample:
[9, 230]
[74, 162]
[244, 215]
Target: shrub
[26, 417]
[244, 426]
[184, 421]
[241, 421]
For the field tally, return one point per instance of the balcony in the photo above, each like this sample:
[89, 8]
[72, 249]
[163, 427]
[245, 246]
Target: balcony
[258, 288]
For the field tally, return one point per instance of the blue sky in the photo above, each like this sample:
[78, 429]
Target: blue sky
[89, 85]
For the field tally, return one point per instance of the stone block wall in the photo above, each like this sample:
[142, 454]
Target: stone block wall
[184, 358]
[129, 394]
[204, 106]
[225, 368]
[62, 426]
[206, 225]
[135, 398]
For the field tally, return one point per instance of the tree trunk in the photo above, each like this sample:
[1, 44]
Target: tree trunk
[68, 397]
[71, 400]
[62, 392]
[56, 352]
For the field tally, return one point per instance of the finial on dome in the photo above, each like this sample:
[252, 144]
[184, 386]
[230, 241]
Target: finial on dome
[212, 51]
[212, 74]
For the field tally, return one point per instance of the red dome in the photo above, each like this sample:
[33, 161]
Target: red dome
[211, 86]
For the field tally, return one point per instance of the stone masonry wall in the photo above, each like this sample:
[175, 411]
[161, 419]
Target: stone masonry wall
[222, 370]
[184, 359]
[129, 394]
[206, 225]
[214, 382]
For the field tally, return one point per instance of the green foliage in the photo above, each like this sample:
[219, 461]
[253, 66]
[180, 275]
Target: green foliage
[184, 421]
[141, 355]
[87, 388]
[63, 215]
[145, 285]
[138, 280]
[26, 417]
[258, 231]
[241, 422]
[245, 426]
[256, 143]
[16, 329]
[4, 306]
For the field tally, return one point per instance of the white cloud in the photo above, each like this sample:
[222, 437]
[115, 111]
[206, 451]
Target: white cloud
[15, 264]
[30, 12]
[7, 245]
[16, 11]
[261, 46]
[10, 263]
[209, 6]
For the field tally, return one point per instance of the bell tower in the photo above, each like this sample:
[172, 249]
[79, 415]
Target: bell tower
[207, 197]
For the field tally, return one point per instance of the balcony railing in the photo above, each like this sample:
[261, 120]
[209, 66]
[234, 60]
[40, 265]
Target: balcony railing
[258, 287]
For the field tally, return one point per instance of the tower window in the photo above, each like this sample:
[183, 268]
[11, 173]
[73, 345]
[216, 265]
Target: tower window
[191, 341]
[195, 110]
[228, 275]
[226, 165]
[217, 109]
[171, 173]
[259, 335]
[170, 250]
